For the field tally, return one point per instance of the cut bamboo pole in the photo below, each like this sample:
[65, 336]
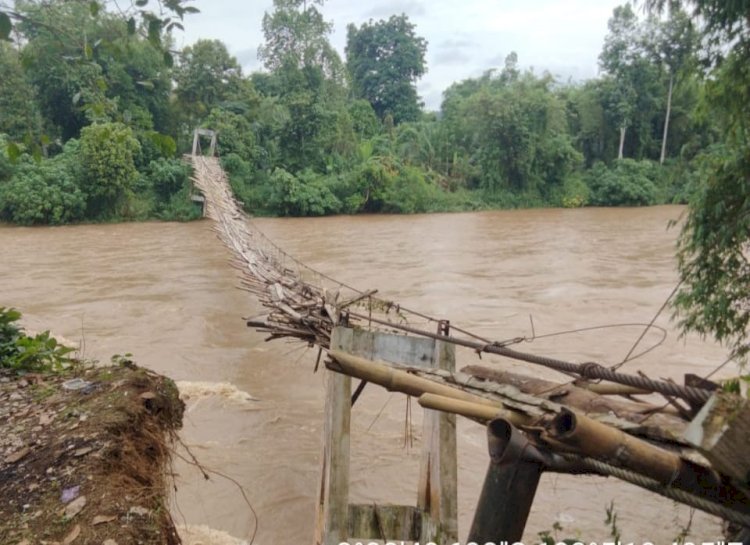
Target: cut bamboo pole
[396, 380]
[597, 440]
[604, 442]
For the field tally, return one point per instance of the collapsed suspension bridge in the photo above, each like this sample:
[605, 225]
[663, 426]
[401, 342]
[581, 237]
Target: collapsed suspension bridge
[533, 425]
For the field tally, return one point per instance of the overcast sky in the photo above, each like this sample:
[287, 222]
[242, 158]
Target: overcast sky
[465, 37]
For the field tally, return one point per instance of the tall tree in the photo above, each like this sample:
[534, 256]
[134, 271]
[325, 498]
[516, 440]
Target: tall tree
[619, 58]
[20, 117]
[307, 77]
[296, 35]
[672, 44]
[385, 59]
[205, 76]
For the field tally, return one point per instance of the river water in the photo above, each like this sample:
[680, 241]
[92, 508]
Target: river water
[165, 293]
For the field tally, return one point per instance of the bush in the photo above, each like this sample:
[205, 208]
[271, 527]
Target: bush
[180, 207]
[108, 153]
[626, 183]
[303, 195]
[574, 192]
[153, 146]
[21, 352]
[410, 193]
[167, 177]
[44, 192]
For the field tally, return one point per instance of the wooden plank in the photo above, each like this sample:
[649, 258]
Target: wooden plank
[721, 432]
[331, 527]
[399, 349]
[437, 496]
[384, 522]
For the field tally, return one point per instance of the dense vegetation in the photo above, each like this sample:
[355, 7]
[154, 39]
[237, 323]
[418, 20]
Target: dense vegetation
[95, 108]
[94, 114]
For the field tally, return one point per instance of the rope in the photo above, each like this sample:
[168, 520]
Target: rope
[681, 496]
[590, 370]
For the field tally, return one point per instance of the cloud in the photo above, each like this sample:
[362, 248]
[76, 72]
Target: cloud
[457, 43]
[248, 59]
[451, 56]
[413, 8]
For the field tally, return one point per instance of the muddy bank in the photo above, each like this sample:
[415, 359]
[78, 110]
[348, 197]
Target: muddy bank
[84, 457]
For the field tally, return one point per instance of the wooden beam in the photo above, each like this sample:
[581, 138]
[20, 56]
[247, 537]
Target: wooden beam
[384, 522]
[332, 523]
[721, 432]
[437, 496]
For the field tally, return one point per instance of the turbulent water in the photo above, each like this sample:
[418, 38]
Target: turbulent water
[165, 293]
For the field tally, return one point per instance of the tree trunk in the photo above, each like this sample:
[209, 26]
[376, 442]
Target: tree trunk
[623, 129]
[666, 120]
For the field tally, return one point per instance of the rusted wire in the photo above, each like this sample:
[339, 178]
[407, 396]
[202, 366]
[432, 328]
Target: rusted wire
[589, 370]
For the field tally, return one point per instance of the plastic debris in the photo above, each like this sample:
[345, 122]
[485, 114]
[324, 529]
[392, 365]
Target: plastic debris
[76, 384]
[69, 494]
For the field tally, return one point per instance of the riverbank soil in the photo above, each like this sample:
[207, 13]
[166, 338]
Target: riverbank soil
[85, 456]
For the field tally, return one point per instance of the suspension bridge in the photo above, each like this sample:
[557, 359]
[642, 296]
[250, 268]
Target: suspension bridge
[589, 425]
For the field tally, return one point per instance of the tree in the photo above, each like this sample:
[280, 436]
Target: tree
[385, 59]
[307, 80]
[89, 68]
[514, 129]
[713, 246]
[108, 168]
[20, 117]
[672, 44]
[206, 76]
[154, 17]
[298, 38]
[619, 58]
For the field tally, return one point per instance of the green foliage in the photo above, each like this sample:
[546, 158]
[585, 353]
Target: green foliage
[153, 146]
[296, 38]
[23, 353]
[304, 195]
[6, 166]
[236, 133]
[712, 257]
[385, 59]
[167, 176]
[179, 207]
[411, 192]
[626, 183]
[575, 193]
[108, 168]
[514, 129]
[206, 76]
[20, 114]
[44, 192]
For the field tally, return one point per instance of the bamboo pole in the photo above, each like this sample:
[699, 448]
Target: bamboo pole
[475, 411]
[397, 380]
[611, 388]
[598, 440]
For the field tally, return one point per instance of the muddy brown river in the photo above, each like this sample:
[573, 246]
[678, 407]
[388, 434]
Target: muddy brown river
[164, 292]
